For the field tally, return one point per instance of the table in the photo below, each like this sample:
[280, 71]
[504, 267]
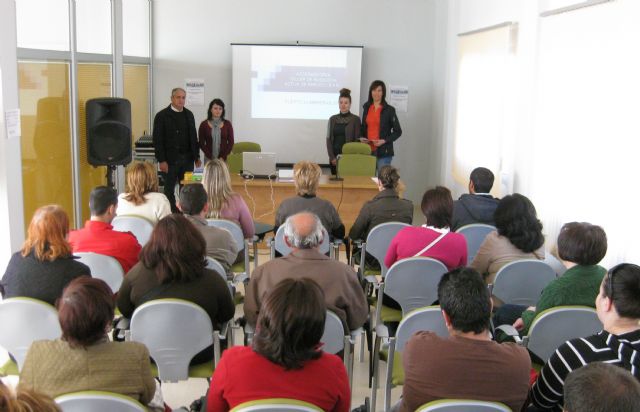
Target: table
[347, 196]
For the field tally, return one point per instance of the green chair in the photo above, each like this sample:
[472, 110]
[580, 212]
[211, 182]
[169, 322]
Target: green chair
[356, 160]
[234, 160]
[276, 405]
[98, 401]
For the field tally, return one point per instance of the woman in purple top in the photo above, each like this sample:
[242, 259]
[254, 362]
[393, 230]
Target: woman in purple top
[223, 202]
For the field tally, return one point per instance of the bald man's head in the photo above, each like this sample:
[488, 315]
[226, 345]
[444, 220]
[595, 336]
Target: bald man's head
[303, 231]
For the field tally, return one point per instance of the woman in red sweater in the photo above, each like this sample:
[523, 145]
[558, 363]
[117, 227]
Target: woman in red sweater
[215, 134]
[285, 360]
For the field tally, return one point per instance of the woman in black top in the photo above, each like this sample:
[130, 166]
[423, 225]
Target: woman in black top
[45, 264]
[343, 127]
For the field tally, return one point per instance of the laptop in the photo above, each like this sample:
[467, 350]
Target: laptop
[259, 164]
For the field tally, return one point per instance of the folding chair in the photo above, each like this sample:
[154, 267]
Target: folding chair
[234, 159]
[429, 319]
[174, 331]
[356, 160]
[475, 234]
[98, 401]
[276, 405]
[139, 226]
[521, 282]
[103, 267]
[23, 321]
[554, 326]
[463, 405]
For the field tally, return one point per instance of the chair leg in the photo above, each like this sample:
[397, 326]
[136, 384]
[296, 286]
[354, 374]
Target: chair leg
[387, 384]
[374, 369]
[255, 254]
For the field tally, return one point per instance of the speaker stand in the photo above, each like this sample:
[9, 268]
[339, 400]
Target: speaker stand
[111, 171]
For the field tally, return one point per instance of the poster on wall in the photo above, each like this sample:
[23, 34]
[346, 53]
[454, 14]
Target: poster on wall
[398, 97]
[195, 92]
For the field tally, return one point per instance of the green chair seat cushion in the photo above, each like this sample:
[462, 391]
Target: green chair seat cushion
[9, 368]
[388, 314]
[202, 370]
[397, 374]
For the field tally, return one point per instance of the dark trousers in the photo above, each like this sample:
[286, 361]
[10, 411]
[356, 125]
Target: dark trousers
[174, 175]
[508, 313]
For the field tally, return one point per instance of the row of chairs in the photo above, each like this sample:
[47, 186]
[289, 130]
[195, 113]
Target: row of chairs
[98, 401]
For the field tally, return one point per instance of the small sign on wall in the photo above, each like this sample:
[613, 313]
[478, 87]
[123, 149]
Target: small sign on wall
[398, 97]
[195, 92]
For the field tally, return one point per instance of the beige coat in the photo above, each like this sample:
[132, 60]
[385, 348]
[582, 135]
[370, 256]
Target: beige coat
[55, 368]
[342, 291]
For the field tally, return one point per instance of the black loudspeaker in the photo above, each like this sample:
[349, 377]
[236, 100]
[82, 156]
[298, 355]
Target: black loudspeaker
[108, 131]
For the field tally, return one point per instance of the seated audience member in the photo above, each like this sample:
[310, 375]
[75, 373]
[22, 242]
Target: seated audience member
[433, 240]
[467, 364]
[339, 282]
[192, 203]
[478, 205]
[580, 246]
[519, 237]
[98, 235]
[306, 177]
[286, 359]
[618, 307]
[600, 387]
[223, 202]
[143, 198]
[385, 207]
[84, 358]
[45, 265]
[172, 265]
[25, 400]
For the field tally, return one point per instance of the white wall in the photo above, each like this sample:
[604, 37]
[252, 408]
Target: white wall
[11, 209]
[192, 37]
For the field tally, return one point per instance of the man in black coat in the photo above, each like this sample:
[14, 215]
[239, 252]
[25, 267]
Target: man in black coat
[477, 206]
[176, 142]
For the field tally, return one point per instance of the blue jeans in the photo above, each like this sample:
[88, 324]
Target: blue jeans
[382, 161]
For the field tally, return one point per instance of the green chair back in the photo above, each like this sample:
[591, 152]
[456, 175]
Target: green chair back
[356, 165]
[234, 159]
[356, 148]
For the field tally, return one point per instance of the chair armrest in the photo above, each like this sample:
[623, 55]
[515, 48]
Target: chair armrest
[510, 331]
[382, 331]
[355, 333]
[240, 278]
[122, 323]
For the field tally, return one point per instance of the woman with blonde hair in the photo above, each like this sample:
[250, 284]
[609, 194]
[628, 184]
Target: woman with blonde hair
[223, 202]
[45, 264]
[306, 177]
[143, 198]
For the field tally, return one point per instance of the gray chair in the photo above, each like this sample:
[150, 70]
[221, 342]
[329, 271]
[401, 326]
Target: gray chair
[103, 267]
[98, 401]
[377, 243]
[475, 234]
[552, 327]
[216, 267]
[242, 269]
[555, 264]
[279, 245]
[463, 405]
[24, 320]
[174, 331]
[429, 319]
[139, 226]
[335, 340]
[521, 282]
[276, 405]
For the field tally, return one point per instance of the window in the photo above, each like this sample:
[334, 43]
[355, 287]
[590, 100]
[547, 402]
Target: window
[135, 28]
[93, 26]
[42, 24]
[484, 100]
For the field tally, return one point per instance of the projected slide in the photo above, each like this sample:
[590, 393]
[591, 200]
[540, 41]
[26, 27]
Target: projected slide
[284, 95]
[296, 83]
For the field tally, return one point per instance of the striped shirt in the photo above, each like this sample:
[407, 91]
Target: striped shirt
[621, 350]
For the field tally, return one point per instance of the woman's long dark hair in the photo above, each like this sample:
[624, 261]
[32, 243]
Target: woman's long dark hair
[291, 323]
[175, 251]
[217, 102]
[374, 85]
[516, 219]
